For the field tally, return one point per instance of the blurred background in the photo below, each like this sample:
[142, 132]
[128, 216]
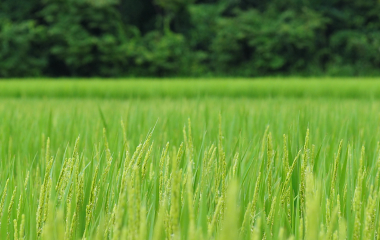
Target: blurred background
[164, 38]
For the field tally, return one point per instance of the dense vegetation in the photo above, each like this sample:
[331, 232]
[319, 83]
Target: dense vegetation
[196, 168]
[189, 37]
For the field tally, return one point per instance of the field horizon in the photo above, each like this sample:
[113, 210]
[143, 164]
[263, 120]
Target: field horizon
[293, 87]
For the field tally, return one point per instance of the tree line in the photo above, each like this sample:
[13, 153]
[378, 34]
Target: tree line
[118, 38]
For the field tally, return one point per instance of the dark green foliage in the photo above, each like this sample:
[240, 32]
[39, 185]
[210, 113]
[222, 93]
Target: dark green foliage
[285, 43]
[83, 39]
[21, 51]
[161, 54]
[189, 38]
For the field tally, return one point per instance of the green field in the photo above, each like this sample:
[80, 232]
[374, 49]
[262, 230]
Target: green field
[169, 159]
[368, 88]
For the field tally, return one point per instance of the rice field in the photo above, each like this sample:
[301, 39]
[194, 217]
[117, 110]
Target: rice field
[292, 164]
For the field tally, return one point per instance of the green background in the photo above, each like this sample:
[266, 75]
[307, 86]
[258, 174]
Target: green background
[189, 38]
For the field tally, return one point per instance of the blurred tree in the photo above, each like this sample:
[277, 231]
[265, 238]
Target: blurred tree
[189, 37]
[84, 37]
[21, 52]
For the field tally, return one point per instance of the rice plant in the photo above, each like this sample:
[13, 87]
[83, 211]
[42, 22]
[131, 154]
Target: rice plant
[216, 169]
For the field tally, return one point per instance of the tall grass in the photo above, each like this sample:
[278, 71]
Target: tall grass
[189, 169]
